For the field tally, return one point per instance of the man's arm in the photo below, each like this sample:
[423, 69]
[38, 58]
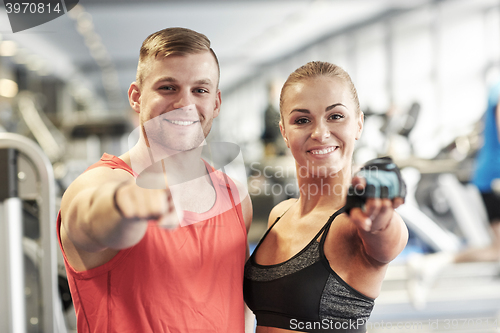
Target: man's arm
[104, 211]
[246, 207]
[247, 210]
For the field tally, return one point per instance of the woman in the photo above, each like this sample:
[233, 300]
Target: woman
[314, 271]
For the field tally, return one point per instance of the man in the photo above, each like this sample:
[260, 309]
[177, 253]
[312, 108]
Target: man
[155, 240]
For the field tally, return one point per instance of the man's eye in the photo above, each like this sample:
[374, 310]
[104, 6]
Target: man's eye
[166, 88]
[201, 90]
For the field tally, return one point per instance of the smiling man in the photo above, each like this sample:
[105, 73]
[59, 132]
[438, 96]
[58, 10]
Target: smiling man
[165, 254]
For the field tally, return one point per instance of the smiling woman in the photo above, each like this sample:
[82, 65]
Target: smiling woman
[320, 123]
[305, 270]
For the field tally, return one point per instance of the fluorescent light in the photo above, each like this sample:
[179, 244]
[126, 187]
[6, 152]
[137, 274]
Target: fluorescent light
[8, 88]
[8, 48]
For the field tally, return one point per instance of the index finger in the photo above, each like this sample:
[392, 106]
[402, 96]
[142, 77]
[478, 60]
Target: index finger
[398, 201]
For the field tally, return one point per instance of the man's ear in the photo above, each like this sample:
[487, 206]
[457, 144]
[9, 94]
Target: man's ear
[134, 97]
[283, 134]
[218, 102]
[361, 120]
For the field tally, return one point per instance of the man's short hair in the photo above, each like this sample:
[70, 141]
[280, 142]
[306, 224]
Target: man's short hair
[171, 41]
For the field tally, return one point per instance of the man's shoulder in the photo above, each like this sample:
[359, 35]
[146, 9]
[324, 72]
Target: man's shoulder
[225, 180]
[239, 192]
[96, 175]
[111, 162]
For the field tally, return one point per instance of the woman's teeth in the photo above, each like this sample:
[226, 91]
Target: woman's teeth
[322, 151]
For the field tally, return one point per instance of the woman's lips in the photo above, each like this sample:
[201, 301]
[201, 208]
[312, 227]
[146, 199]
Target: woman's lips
[322, 151]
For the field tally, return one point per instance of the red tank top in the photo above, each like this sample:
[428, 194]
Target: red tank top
[186, 280]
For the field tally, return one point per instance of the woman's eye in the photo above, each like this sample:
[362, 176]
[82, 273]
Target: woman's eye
[302, 121]
[336, 116]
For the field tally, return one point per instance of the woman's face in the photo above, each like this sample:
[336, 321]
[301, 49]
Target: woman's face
[321, 125]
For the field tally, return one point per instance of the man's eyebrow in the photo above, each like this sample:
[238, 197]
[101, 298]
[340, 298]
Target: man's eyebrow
[203, 81]
[174, 80]
[166, 79]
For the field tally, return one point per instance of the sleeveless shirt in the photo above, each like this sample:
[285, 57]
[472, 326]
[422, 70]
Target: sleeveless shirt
[304, 293]
[173, 281]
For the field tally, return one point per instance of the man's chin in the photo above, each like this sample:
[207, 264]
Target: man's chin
[161, 151]
[179, 150]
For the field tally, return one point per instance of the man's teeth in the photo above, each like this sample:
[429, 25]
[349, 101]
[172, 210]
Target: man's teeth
[180, 122]
[323, 151]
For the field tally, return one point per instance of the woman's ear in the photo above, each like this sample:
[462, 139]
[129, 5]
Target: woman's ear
[361, 120]
[283, 134]
[134, 97]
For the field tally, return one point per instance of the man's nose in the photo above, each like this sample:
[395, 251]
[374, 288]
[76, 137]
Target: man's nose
[183, 99]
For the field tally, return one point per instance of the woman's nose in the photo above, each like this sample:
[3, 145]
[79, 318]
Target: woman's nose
[321, 132]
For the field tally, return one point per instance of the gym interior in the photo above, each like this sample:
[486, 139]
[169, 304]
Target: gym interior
[423, 71]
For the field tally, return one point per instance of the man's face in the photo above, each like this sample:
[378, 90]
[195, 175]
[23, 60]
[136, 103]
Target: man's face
[177, 101]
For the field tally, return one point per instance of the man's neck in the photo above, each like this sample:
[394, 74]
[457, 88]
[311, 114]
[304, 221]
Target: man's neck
[176, 166]
[184, 166]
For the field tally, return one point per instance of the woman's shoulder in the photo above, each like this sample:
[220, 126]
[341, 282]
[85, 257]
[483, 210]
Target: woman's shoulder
[279, 210]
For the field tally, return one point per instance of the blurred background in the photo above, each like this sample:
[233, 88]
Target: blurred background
[423, 69]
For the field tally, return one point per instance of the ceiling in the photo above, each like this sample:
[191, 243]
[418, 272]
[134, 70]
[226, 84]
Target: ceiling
[245, 34]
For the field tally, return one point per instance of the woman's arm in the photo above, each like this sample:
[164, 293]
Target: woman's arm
[382, 231]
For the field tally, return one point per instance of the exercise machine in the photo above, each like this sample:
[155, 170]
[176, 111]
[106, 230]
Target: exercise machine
[26, 175]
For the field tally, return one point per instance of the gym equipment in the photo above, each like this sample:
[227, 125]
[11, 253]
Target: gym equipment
[23, 160]
[425, 228]
[440, 209]
[12, 309]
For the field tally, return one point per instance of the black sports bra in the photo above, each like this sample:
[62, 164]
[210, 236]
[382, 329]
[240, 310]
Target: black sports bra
[304, 293]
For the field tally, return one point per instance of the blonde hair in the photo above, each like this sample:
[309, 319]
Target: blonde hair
[171, 41]
[315, 69]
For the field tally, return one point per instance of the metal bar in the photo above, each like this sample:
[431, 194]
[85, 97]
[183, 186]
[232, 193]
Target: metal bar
[53, 321]
[14, 315]
[8, 174]
[13, 217]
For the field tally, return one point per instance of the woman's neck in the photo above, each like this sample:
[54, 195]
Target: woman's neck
[323, 192]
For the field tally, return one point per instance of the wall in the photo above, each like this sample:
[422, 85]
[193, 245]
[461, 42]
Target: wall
[443, 56]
